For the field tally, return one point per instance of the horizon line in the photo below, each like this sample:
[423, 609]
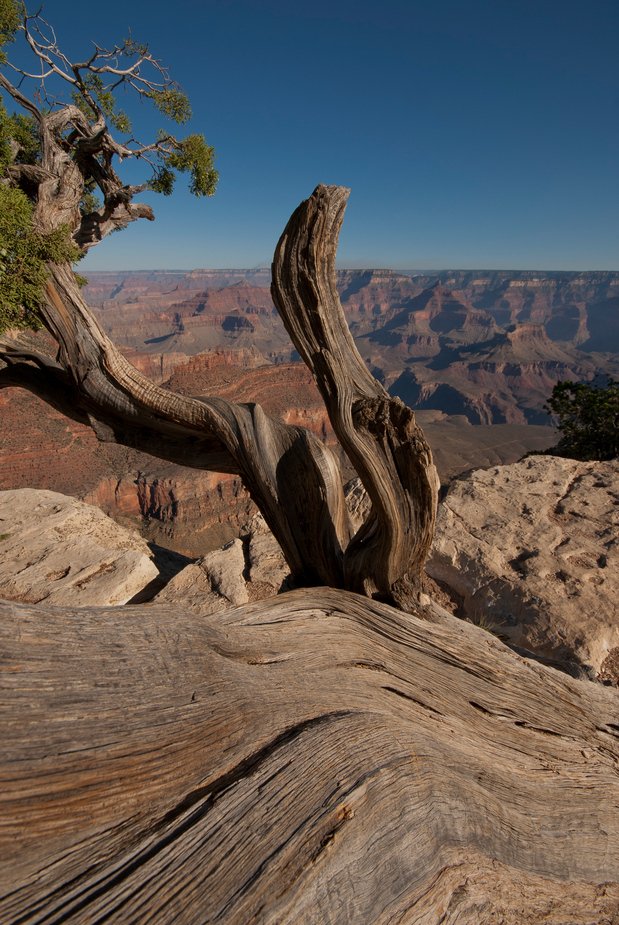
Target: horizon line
[405, 270]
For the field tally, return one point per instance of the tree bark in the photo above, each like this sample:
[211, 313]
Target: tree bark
[294, 479]
[379, 433]
[316, 758]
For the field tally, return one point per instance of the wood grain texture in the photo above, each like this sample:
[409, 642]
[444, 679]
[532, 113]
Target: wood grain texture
[291, 475]
[317, 758]
[385, 445]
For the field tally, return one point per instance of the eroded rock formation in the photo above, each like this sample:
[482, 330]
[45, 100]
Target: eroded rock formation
[61, 551]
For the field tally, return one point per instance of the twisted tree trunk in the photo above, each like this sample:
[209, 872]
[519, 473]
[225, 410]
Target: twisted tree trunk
[378, 432]
[293, 478]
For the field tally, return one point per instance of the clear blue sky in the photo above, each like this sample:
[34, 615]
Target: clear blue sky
[472, 133]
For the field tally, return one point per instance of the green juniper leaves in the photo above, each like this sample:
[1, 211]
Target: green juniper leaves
[91, 94]
[191, 155]
[11, 17]
[81, 152]
[24, 254]
[588, 415]
[172, 103]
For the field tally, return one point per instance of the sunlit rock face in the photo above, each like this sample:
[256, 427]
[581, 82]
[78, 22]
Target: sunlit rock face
[61, 551]
[506, 379]
[532, 551]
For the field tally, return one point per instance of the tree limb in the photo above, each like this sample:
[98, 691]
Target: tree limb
[315, 758]
[378, 432]
[293, 478]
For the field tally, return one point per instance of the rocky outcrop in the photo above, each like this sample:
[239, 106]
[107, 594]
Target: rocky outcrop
[437, 341]
[285, 390]
[427, 324]
[248, 569]
[61, 551]
[371, 297]
[156, 366]
[603, 327]
[212, 584]
[182, 321]
[532, 551]
[190, 511]
[127, 285]
[529, 551]
[561, 301]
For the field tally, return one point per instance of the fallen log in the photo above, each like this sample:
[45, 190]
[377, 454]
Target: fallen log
[315, 758]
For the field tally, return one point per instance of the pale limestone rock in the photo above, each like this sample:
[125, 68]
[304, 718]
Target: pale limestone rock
[225, 568]
[60, 550]
[266, 561]
[244, 570]
[212, 584]
[191, 589]
[533, 549]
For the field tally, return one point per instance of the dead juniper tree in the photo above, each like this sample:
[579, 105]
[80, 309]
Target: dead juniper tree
[58, 158]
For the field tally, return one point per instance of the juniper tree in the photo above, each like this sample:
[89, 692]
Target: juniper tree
[588, 418]
[61, 192]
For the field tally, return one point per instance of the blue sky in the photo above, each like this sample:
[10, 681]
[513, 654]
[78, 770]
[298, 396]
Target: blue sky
[471, 133]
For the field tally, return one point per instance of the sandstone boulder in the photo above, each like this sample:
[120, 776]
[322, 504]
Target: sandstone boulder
[267, 565]
[249, 569]
[64, 552]
[532, 550]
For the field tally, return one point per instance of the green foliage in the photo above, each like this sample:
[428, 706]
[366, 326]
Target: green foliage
[24, 254]
[24, 250]
[484, 623]
[588, 418]
[11, 17]
[21, 130]
[172, 103]
[191, 155]
[92, 93]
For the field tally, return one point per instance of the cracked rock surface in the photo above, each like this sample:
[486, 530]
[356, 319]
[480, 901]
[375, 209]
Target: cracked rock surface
[532, 550]
[56, 549]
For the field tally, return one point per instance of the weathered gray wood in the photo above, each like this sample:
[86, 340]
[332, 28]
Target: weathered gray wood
[378, 432]
[317, 758]
[293, 478]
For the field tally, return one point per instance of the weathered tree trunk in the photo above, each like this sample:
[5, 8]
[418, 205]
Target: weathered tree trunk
[378, 432]
[293, 478]
[317, 758]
